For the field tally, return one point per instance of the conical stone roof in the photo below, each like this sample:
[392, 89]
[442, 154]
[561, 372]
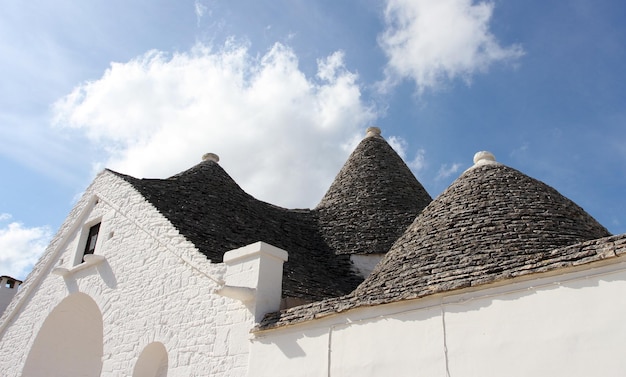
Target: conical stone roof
[490, 224]
[373, 199]
[208, 207]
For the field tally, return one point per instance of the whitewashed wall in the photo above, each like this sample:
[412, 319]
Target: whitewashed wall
[152, 303]
[562, 325]
[153, 288]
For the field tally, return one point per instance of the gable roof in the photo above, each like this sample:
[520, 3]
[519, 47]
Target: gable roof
[373, 199]
[492, 223]
[207, 207]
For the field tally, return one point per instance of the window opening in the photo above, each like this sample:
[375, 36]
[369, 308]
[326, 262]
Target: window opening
[90, 246]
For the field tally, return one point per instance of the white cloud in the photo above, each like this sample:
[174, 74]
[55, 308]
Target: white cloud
[446, 171]
[418, 164]
[279, 133]
[419, 161]
[521, 151]
[329, 67]
[200, 9]
[20, 247]
[398, 144]
[433, 41]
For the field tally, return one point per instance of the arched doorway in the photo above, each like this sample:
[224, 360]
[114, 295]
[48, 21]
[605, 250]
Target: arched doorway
[69, 342]
[152, 362]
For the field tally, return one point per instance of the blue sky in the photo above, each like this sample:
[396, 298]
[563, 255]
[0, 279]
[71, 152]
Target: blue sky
[283, 90]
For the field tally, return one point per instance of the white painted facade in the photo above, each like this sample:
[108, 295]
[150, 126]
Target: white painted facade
[148, 304]
[145, 304]
[567, 324]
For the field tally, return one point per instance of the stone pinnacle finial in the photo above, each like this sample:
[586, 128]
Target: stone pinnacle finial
[372, 131]
[210, 157]
[484, 157]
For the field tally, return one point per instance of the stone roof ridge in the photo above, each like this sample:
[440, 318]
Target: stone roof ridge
[372, 200]
[492, 218]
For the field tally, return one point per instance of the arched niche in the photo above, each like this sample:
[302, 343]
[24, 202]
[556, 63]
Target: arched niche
[152, 362]
[69, 342]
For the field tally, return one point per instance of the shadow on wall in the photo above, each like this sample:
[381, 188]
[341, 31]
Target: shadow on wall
[103, 269]
[548, 288]
[152, 362]
[69, 342]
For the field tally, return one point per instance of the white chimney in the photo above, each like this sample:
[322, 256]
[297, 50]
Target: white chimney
[254, 275]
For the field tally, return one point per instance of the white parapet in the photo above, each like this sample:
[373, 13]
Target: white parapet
[254, 275]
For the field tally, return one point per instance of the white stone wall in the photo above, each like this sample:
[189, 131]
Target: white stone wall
[153, 287]
[559, 325]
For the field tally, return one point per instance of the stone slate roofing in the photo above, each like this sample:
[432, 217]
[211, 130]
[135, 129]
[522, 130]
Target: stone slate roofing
[206, 206]
[373, 199]
[491, 219]
[371, 202]
[491, 224]
[569, 256]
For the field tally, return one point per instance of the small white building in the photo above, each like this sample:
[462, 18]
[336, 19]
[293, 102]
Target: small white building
[8, 289]
[191, 276]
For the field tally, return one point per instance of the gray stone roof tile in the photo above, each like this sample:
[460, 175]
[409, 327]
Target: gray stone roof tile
[489, 220]
[373, 199]
[569, 256]
[492, 223]
[216, 215]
